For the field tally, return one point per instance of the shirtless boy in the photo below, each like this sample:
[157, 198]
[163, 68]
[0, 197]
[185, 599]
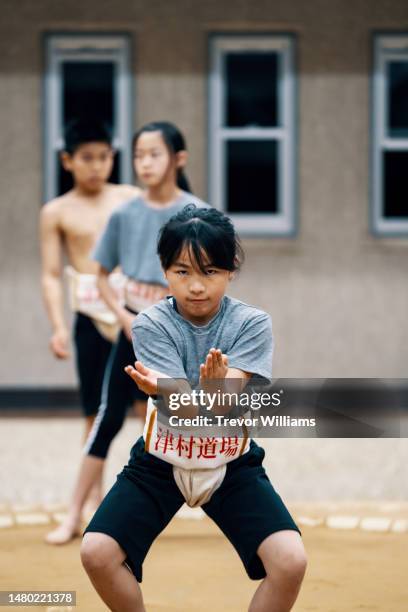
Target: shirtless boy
[71, 224]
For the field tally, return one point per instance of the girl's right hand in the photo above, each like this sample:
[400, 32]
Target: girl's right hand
[145, 378]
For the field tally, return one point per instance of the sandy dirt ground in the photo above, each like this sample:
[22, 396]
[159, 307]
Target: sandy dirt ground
[192, 567]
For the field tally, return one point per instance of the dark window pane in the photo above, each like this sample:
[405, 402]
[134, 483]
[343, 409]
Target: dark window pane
[65, 182]
[395, 190]
[88, 90]
[252, 176]
[251, 89]
[398, 99]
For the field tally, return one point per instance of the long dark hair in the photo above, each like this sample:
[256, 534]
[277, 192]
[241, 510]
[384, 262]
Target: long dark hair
[174, 141]
[207, 233]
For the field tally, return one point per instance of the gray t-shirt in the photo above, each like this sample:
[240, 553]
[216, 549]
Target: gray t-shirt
[163, 340]
[130, 238]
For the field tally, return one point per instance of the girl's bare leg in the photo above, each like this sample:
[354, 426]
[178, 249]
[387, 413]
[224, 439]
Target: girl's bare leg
[284, 560]
[96, 493]
[103, 558]
[140, 408]
[90, 472]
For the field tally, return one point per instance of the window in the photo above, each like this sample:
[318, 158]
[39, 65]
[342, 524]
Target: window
[252, 132]
[86, 74]
[390, 136]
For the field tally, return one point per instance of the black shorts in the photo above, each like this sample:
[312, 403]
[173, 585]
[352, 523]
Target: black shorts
[145, 497]
[92, 352]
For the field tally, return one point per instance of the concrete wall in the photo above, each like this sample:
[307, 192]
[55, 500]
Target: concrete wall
[338, 296]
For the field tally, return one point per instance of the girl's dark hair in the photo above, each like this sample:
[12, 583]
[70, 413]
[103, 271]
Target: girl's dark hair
[207, 233]
[174, 140]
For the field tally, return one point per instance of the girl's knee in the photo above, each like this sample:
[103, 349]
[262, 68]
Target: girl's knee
[294, 565]
[99, 552]
[291, 566]
[285, 559]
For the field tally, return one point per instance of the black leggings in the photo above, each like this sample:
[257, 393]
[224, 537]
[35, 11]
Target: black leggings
[92, 354]
[118, 392]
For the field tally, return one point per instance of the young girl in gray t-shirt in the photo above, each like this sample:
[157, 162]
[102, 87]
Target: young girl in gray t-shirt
[197, 335]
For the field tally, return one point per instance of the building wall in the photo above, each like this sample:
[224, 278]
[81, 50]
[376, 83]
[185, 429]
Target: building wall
[337, 295]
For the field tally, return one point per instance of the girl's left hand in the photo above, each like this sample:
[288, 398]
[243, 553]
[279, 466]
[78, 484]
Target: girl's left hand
[145, 378]
[215, 366]
[126, 320]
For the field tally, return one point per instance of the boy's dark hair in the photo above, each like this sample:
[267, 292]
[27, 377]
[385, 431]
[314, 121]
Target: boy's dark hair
[207, 233]
[174, 141]
[82, 131]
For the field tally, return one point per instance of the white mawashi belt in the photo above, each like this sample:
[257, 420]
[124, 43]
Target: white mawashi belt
[197, 474]
[84, 297]
[198, 486]
[139, 296]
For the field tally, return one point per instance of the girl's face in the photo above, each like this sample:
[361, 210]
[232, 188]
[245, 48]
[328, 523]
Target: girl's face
[154, 165]
[198, 294]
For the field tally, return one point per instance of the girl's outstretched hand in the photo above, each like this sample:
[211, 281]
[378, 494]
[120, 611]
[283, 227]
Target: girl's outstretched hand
[215, 366]
[145, 378]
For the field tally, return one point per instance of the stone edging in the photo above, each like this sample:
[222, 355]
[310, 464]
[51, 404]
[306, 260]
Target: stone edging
[29, 515]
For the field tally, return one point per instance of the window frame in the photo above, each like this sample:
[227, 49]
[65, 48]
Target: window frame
[85, 46]
[283, 223]
[386, 47]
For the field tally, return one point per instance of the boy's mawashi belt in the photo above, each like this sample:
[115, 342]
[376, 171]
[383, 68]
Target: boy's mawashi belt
[84, 297]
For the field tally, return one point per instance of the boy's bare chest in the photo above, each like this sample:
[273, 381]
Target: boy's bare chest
[84, 224]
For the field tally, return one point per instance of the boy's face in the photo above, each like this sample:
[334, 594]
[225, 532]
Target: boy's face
[198, 294]
[90, 164]
[153, 163]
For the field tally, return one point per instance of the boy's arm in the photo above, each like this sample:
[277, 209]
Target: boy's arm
[124, 317]
[130, 191]
[51, 279]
